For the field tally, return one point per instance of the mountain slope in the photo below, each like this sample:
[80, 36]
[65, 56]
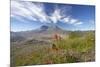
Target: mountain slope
[46, 30]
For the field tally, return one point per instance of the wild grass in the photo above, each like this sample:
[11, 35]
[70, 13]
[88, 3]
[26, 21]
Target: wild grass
[74, 47]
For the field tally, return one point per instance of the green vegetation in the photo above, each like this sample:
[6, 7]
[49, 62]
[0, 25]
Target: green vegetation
[74, 47]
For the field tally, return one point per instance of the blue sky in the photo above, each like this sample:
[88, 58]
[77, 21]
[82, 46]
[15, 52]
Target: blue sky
[31, 15]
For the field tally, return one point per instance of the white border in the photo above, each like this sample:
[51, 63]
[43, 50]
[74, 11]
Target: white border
[84, 2]
[4, 33]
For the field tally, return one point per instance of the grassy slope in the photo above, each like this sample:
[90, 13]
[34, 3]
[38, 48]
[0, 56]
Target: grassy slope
[75, 47]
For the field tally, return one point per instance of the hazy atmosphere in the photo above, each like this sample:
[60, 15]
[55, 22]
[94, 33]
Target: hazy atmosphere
[51, 33]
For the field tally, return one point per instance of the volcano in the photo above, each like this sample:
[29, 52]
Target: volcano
[42, 31]
[49, 29]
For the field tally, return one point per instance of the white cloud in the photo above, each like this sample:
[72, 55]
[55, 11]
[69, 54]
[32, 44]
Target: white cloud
[18, 18]
[60, 14]
[28, 10]
[36, 12]
[72, 21]
[56, 16]
[66, 20]
[78, 23]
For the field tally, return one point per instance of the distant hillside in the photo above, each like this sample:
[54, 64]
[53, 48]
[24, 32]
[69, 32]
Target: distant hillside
[44, 30]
